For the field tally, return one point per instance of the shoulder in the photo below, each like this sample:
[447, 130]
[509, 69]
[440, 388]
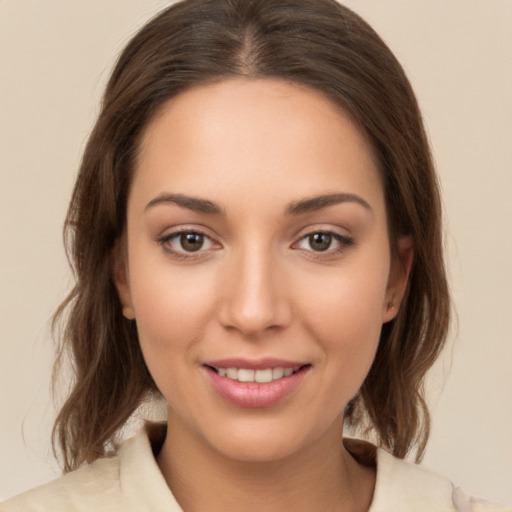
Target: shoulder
[128, 482]
[406, 487]
[402, 486]
[93, 487]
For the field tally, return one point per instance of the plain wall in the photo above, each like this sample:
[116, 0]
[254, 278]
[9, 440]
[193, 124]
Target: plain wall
[55, 56]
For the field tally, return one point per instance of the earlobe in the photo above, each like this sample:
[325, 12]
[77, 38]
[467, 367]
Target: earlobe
[120, 276]
[401, 266]
[128, 312]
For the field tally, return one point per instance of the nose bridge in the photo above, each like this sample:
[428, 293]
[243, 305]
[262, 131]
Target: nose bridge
[254, 298]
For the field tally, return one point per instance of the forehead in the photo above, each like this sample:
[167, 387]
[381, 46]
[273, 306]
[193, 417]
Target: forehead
[261, 135]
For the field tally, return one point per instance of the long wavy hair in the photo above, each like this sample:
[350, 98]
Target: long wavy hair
[318, 43]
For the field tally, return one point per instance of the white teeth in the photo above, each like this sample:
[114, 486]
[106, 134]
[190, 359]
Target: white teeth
[245, 375]
[261, 376]
[232, 373]
[277, 373]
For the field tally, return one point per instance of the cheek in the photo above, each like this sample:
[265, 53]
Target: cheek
[171, 310]
[348, 300]
[344, 314]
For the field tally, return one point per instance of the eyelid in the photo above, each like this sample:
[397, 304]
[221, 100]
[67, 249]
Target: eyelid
[343, 241]
[181, 230]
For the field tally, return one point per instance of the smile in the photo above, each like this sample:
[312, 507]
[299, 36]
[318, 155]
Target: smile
[255, 384]
[261, 376]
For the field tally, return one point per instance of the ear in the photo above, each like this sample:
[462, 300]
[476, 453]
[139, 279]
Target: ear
[121, 279]
[401, 264]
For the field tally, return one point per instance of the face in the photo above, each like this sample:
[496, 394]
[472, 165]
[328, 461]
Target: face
[258, 265]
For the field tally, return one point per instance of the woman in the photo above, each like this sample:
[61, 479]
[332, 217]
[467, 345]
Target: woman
[255, 232]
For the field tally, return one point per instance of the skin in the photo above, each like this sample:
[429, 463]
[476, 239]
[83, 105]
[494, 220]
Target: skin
[258, 287]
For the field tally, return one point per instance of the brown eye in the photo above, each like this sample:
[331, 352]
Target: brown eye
[191, 242]
[324, 243]
[188, 244]
[320, 241]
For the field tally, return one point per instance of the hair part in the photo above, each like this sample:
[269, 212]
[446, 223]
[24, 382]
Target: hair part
[317, 43]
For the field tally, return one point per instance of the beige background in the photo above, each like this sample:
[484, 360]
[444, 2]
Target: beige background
[54, 58]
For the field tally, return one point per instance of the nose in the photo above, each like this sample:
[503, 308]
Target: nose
[254, 298]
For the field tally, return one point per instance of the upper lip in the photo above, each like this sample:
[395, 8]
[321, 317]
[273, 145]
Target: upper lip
[255, 364]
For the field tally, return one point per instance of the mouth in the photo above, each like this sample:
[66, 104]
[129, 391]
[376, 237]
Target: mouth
[260, 375]
[256, 384]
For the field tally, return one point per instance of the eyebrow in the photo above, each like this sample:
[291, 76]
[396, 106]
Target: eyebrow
[311, 204]
[306, 205]
[191, 203]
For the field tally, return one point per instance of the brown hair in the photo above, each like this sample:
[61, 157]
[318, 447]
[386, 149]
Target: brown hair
[318, 43]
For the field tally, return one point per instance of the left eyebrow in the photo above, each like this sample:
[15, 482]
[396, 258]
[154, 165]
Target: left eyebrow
[311, 204]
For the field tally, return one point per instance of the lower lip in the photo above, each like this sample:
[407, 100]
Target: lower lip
[255, 394]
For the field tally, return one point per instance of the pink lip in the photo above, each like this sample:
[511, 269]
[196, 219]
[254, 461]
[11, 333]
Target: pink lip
[254, 394]
[256, 364]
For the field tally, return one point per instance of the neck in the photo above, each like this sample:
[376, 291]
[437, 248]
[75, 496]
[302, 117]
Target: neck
[322, 476]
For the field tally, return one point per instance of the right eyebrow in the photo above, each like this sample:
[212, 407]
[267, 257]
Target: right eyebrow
[192, 203]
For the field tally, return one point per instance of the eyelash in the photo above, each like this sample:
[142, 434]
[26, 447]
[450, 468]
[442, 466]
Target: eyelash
[343, 242]
[183, 254]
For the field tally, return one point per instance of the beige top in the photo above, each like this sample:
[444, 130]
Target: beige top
[131, 481]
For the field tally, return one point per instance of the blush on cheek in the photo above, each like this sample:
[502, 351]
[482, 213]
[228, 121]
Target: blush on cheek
[347, 324]
[170, 300]
[170, 318]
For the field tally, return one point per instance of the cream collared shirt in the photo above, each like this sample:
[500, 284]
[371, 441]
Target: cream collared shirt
[131, 481]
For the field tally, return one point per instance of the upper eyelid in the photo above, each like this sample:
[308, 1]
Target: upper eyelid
[176, 234]
[344, 241]
[322, 228]
[337, 236]
[165, 241]
[173, 231]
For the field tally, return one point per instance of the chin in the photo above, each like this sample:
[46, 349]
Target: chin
[266, 441]
[257, 449]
